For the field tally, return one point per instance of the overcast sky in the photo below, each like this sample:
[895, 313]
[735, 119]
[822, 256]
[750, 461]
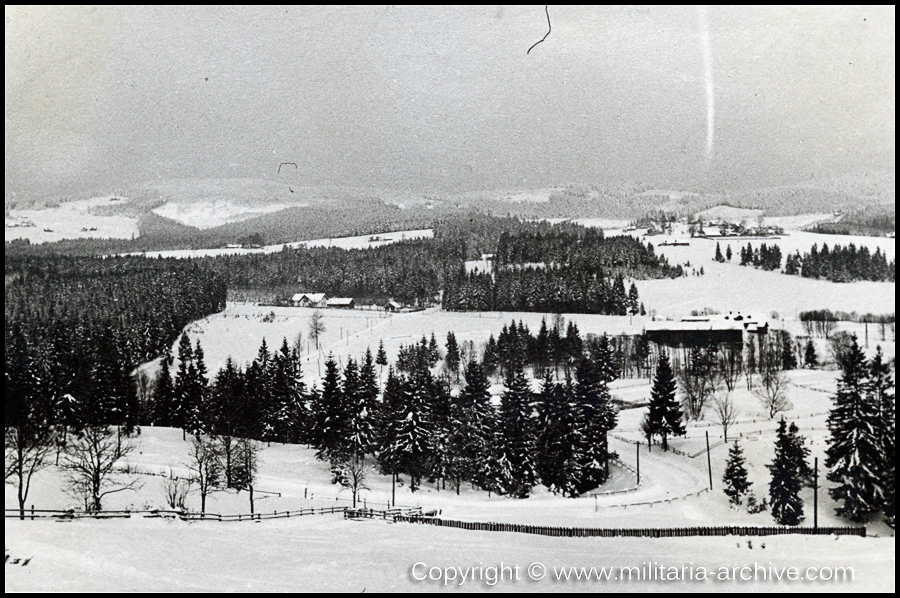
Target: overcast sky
[446, 99]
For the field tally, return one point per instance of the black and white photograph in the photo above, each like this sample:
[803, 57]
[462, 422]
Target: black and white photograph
[535, 298]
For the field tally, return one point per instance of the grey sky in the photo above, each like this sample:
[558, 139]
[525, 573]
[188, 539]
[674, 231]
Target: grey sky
[443, 99]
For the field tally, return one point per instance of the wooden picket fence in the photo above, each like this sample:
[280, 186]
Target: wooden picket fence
[649, 532]
[33, 514]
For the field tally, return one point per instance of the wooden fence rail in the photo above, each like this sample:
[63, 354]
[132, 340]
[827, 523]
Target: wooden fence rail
[677, 532]
[32, 514]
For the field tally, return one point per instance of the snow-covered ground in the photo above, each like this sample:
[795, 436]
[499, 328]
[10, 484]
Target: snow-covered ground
[329, 554]
[215, 213]
[70, 220]
[731, 287]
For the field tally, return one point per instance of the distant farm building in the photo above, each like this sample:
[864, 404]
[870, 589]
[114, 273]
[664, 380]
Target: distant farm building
[704, 331]
[309, 300]
[341, 302]
[393, 306]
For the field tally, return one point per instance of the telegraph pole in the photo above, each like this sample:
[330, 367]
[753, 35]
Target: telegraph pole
[816, 494]
[637, 445]
[709, 460]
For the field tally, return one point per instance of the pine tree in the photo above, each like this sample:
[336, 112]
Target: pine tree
[517, 434]
[470, 428]
[328, 411]
[183, 394]
[434, 352]
[719, 257]
[809, 355]
[452, 359]
[800, 453]
[633, 299]
[784, 488]
[728, 253]
[880, 389]
[665, 415]
[412, 446]
[558, 438]
[735, 478]
[381, 358]
[855, 452]
[164, 394]
[596, 417]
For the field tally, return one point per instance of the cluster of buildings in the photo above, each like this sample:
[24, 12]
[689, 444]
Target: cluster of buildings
[320, 300]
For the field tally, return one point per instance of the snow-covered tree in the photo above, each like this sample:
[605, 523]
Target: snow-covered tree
[735, 478]
[784, 488]
[665, 416]
[855, 449]
[517, 434]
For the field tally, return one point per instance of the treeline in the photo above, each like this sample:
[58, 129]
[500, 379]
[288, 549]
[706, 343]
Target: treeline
[409, 271]
[840, 264]
[77, 327]
[845, 264]
[764, 256]
[578, 271]
[872, 220]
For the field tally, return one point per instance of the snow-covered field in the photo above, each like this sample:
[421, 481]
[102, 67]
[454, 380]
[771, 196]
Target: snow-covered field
[731, 287]
[329, 554]
[70, 220]
[216, 213]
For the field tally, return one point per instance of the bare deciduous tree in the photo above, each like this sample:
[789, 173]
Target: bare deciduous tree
[246, 461]
[731, 363]
[90, 464]
[316, 326]
[25, 453]
[205, 466]
[772, 392]
[354, 473]
[725, 411]
[698, 381]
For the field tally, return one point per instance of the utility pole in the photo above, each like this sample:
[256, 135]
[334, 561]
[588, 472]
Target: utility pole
[637, 445]
[816, 494]
[709, 460]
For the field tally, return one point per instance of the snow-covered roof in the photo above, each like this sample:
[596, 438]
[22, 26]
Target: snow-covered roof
[313, 297]
[340, 301]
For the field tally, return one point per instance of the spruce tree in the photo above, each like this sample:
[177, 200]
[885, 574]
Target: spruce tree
[381, 357]
[164, 394]
[452, 359]
[800, 453]
[517, 434]
[665, 416]
[596, 417]
[470, 428]
[855, 449]
[809, 355]
[328, 412]
[784, 488]
[880, 388]
[413, 441]
[558, 438]
[735, 478]
[719, 257]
